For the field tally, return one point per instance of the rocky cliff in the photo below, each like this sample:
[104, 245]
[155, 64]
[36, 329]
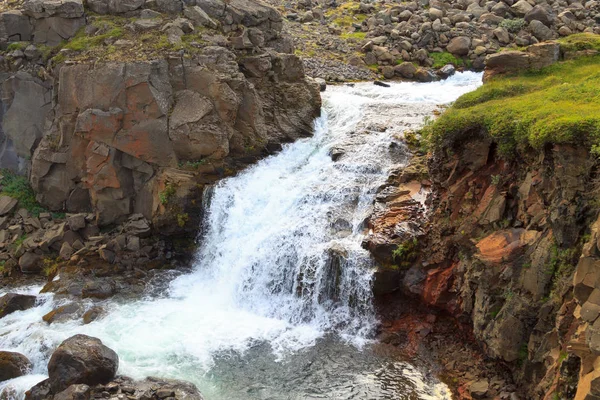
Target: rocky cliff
[509, 249]
[121, 112]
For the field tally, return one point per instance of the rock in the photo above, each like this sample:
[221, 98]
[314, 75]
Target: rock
[81, 359]
[382, 84]
[170, 6]
[92, 314]
[540, 31]
[540, 13]
[479, 389]
[425, 75]
[14, 27]
[74, 392]
[7, 205]
[199, 17]
[521, 7]
[322, 84]
[13, 365]
[446, 71]
[54, 8]
[388, 72]
[30, 263]
[76, 222]
[12, 302]
[63, 313]
[405, 70]
[459, 45]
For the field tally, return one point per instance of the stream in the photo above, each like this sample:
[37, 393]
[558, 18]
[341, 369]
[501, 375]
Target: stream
[279, 303]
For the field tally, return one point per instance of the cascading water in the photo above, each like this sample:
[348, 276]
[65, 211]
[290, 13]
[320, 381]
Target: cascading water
[279, 303]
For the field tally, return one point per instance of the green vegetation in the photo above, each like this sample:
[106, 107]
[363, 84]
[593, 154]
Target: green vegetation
[20, 240]
[17, 46]
[51, 266]
[558, 104]
[166, 194]
[17, 187]
[513, 25]
[405, 253]
[444, 58]
[348, 20]
[353, 35]
[523, 354]
[561, 266]
[182, 219]
[82, 41]
[580, 41]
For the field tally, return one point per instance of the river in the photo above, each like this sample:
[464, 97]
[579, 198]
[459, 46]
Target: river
[279, 302]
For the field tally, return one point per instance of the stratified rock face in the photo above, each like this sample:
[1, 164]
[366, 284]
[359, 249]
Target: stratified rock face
[81, 359]
[111, 137]
[13, 365]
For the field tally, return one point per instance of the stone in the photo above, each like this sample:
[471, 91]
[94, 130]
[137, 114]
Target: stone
[540, 31]
[74, 392]
[63, 313]
[170, 6]
[479, 389]
[540, 13]
[521, 7]
[425, 75]
[405, 70]
[92, 314]
[13, 365]
[7, 205]
[30, 263]
[54, 8]
[387, 71]
[446, 71]
[76, 222]
[12, 302]
[459, 45]
[81, 359]
[14, 27]
[199, 17]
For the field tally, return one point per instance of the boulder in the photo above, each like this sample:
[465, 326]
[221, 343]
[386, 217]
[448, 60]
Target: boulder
[446, 71]
[521, 7]
[12, 302]
[405, 70]
[63, 313]
[540, 31]
[13, 365]
[542, 14]
[7, 205]
[81, 359]
[30, 263]
[54, 8]
[425, 75]
[479, 389]
[199, 17]
[459, 45]
[14, 27]
[74, 392]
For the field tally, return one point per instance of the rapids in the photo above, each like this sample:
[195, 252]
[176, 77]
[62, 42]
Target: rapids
[278, 305]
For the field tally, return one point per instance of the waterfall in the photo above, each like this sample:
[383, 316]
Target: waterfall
[280, 266]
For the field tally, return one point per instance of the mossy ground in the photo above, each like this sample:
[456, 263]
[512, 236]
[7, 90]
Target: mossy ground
[444, 58]
[559, 104]
[580, 41]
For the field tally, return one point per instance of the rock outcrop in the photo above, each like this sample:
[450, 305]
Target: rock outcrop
[143, 133]
[12, 302]
[13, 365]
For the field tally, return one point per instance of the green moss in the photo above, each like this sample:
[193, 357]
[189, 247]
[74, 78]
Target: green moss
[17, 46]
[513, 25]
[353, 35]
[444, 58]
[558, 104]
[167, 194]
[17, 187]
[182, 219]
[82, 42]
[580, 41]
[405, 253]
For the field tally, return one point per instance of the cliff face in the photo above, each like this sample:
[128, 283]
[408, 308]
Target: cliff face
[509, 248]
[136, 132]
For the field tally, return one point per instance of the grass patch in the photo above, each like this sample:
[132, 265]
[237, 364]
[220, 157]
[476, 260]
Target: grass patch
[558, 104]
[17, 46]
[82, 42]
[444, 58]
[406, 253]
[354, 35]
[580, 41]
[17, 187]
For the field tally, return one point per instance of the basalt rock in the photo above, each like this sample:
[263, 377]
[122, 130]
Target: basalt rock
[12, 302]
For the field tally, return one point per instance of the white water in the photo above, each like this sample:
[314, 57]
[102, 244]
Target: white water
[264, 274]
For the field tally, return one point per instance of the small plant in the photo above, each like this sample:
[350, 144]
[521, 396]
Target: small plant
[354, 35]
[444, 58]
[17, 187]
[51, 266]
[167, 194]
[405, 253]
[182, 219]
[496, 179]
[17, 46]
[523, 354]
[513, 25]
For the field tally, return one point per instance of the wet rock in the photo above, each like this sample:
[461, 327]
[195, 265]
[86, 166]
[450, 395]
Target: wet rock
[446, 71]
[13, 365]
[74, 392]
[425, 75]
[30, 263]
[92, 314]
[12, 302]
[81, 359]
[63, 313]
[405, 70]
[382, 84]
